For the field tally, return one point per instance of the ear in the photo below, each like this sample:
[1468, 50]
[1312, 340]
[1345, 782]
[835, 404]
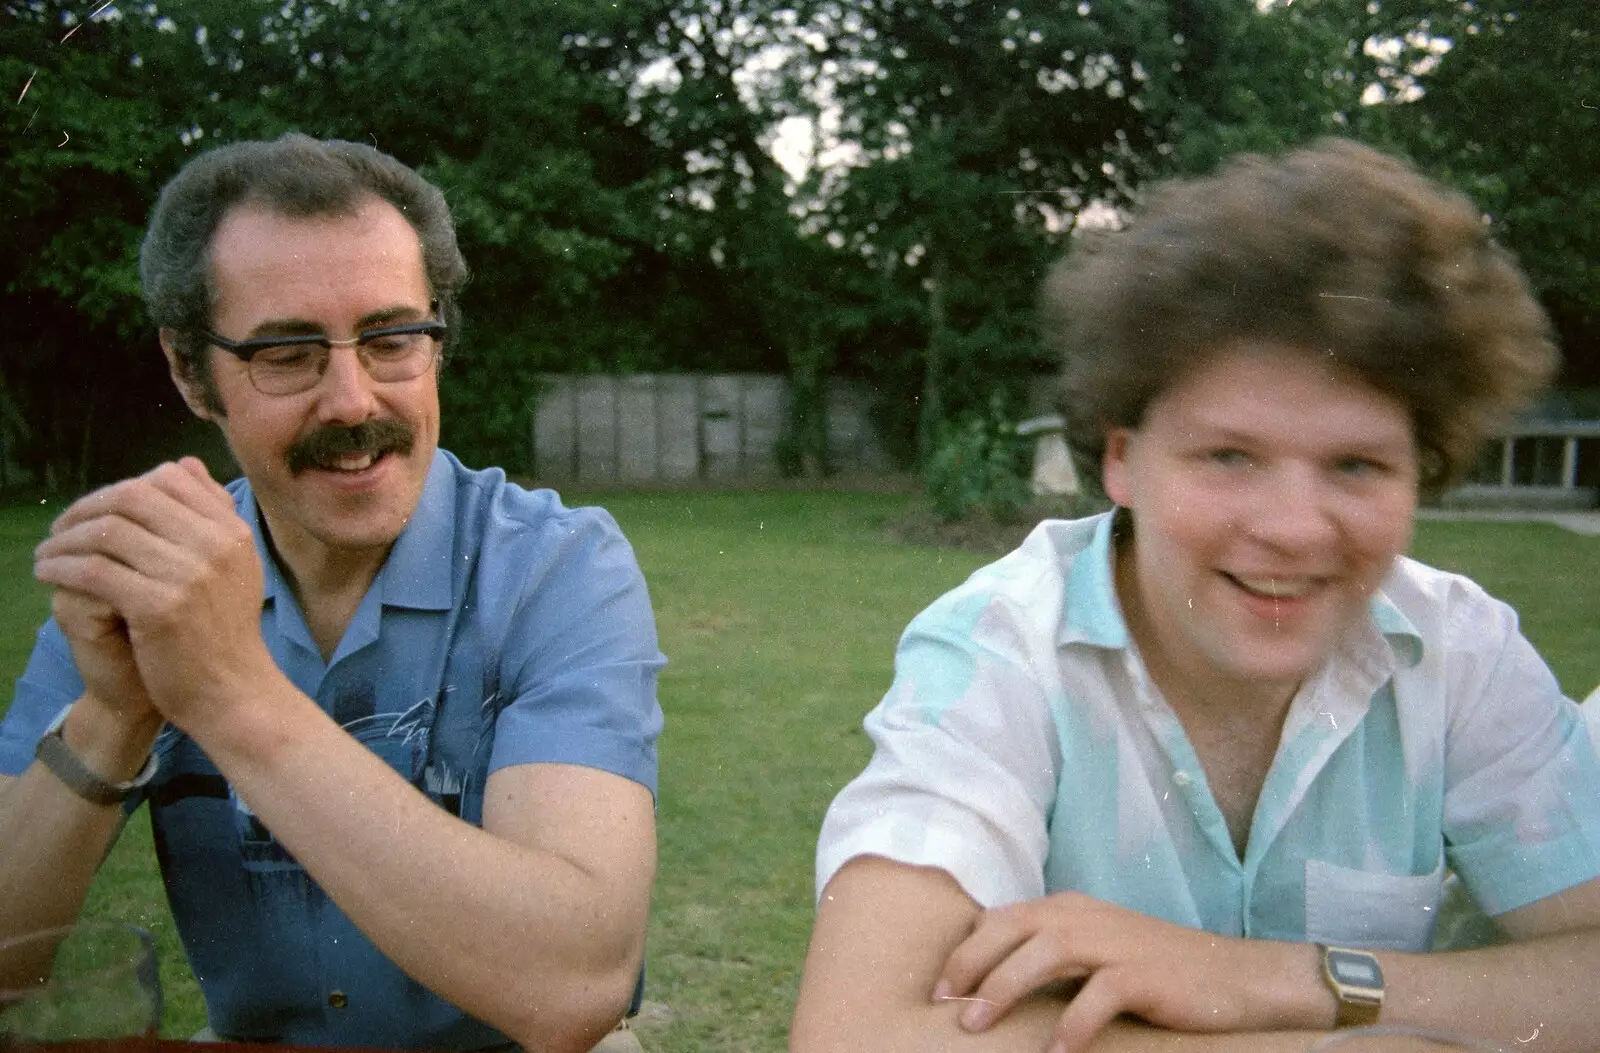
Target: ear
[1115, 471]
[188, 387]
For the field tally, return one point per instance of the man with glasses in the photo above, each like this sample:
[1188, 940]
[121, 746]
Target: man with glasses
[395, 719]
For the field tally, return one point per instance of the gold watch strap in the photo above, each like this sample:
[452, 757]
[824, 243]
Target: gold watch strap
[1357, 1012]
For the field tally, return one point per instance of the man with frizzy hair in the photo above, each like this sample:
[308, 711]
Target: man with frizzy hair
[395, 719]
[1195, 774]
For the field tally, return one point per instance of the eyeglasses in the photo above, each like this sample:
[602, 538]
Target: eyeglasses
[288, 365]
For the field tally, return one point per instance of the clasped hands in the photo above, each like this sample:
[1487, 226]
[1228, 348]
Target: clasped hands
[1121, 962]
[158, 592]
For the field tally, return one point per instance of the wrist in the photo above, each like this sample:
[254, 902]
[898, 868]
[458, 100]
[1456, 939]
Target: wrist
[207, 701]
[1289, 990]
[111, 743]
[246, 717]
[86, 780]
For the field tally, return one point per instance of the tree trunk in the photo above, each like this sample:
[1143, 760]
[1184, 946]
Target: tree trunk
[810, 419]
[932, 410]
[84, 448]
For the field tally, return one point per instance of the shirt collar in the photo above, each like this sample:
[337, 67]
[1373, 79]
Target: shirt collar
[273, 585]
[1402, 636]
[1093, 615]
[418, 570]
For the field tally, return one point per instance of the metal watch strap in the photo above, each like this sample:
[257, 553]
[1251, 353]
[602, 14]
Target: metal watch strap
[54, 753]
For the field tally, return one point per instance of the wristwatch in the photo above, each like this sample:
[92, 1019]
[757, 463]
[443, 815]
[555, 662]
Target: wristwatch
[54, 753]
[1356, 980]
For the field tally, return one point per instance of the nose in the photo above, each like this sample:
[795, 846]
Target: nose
[1294, 510]
[345, 393]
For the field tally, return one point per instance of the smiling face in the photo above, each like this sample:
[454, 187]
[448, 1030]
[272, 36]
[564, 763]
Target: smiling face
[1269, 498]
[327, 494]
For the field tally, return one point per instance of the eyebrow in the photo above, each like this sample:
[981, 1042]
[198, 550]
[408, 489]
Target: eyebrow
[301, 327]
[1210, 434]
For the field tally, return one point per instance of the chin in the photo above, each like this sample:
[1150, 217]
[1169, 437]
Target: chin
[1281, 668]
[363, 536]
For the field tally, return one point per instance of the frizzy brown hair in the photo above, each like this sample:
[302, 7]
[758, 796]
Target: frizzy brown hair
[1334, 250]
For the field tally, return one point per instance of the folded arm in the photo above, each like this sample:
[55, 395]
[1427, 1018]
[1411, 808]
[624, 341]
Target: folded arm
[884, 932]
[890, 939]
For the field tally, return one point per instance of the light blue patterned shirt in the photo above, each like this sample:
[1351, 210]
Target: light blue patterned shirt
[1023, 749]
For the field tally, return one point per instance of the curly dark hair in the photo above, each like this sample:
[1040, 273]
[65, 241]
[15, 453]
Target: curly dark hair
[1335, 249]
[294, 175]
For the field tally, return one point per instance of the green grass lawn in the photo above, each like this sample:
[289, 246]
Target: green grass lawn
[779, 613]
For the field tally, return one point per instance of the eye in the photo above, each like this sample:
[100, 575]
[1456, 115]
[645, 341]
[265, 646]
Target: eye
[394, 343]
[1360, 467]
[284, 356]
[1228, 457]
[391, 345]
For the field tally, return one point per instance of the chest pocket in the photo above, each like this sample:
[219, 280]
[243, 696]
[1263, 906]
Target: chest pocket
[1359, 908]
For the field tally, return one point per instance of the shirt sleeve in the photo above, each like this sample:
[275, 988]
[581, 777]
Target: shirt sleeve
[49, 684]
[581, 659]
[1522, 786]
[965, 760]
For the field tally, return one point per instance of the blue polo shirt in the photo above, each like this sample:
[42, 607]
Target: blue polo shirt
[504, 628]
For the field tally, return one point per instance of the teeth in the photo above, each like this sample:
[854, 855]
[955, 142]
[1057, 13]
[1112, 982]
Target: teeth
[1277, 588]
[354, 462]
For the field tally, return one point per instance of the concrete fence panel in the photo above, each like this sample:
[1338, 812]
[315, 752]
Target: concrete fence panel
[596, 399]
[678, 428]
[665, 428]
[721, 427]
[638, 446]
[555, 431]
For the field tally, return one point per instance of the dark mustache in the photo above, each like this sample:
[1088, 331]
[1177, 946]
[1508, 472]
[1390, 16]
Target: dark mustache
[330, 441]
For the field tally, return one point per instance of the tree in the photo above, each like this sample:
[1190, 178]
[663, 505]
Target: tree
[980, 133]
[537, 161]
[1265, 78]
[86, 143]
[1511, 113]
[540, 170]
[711, 81]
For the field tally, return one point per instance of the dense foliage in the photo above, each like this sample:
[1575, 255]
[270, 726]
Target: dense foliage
[613, 171]
[979, 464]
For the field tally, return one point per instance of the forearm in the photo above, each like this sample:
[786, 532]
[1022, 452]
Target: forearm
[886, 932]
[54, 840]
[907, 1027]
[1508, 993]
[1512, 993]
[517, 937]
[1029, 1028]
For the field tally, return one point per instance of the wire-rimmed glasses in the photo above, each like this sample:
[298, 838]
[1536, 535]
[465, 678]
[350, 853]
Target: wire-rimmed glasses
[293, 363]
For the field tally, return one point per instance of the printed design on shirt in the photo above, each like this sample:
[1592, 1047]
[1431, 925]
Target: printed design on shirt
[402, 739]
[407, 742]
[414, 723]
[451, 784]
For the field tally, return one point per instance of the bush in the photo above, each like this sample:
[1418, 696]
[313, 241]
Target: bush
[979, 464]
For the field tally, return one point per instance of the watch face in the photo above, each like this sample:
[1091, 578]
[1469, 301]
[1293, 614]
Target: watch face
[1354, 968]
